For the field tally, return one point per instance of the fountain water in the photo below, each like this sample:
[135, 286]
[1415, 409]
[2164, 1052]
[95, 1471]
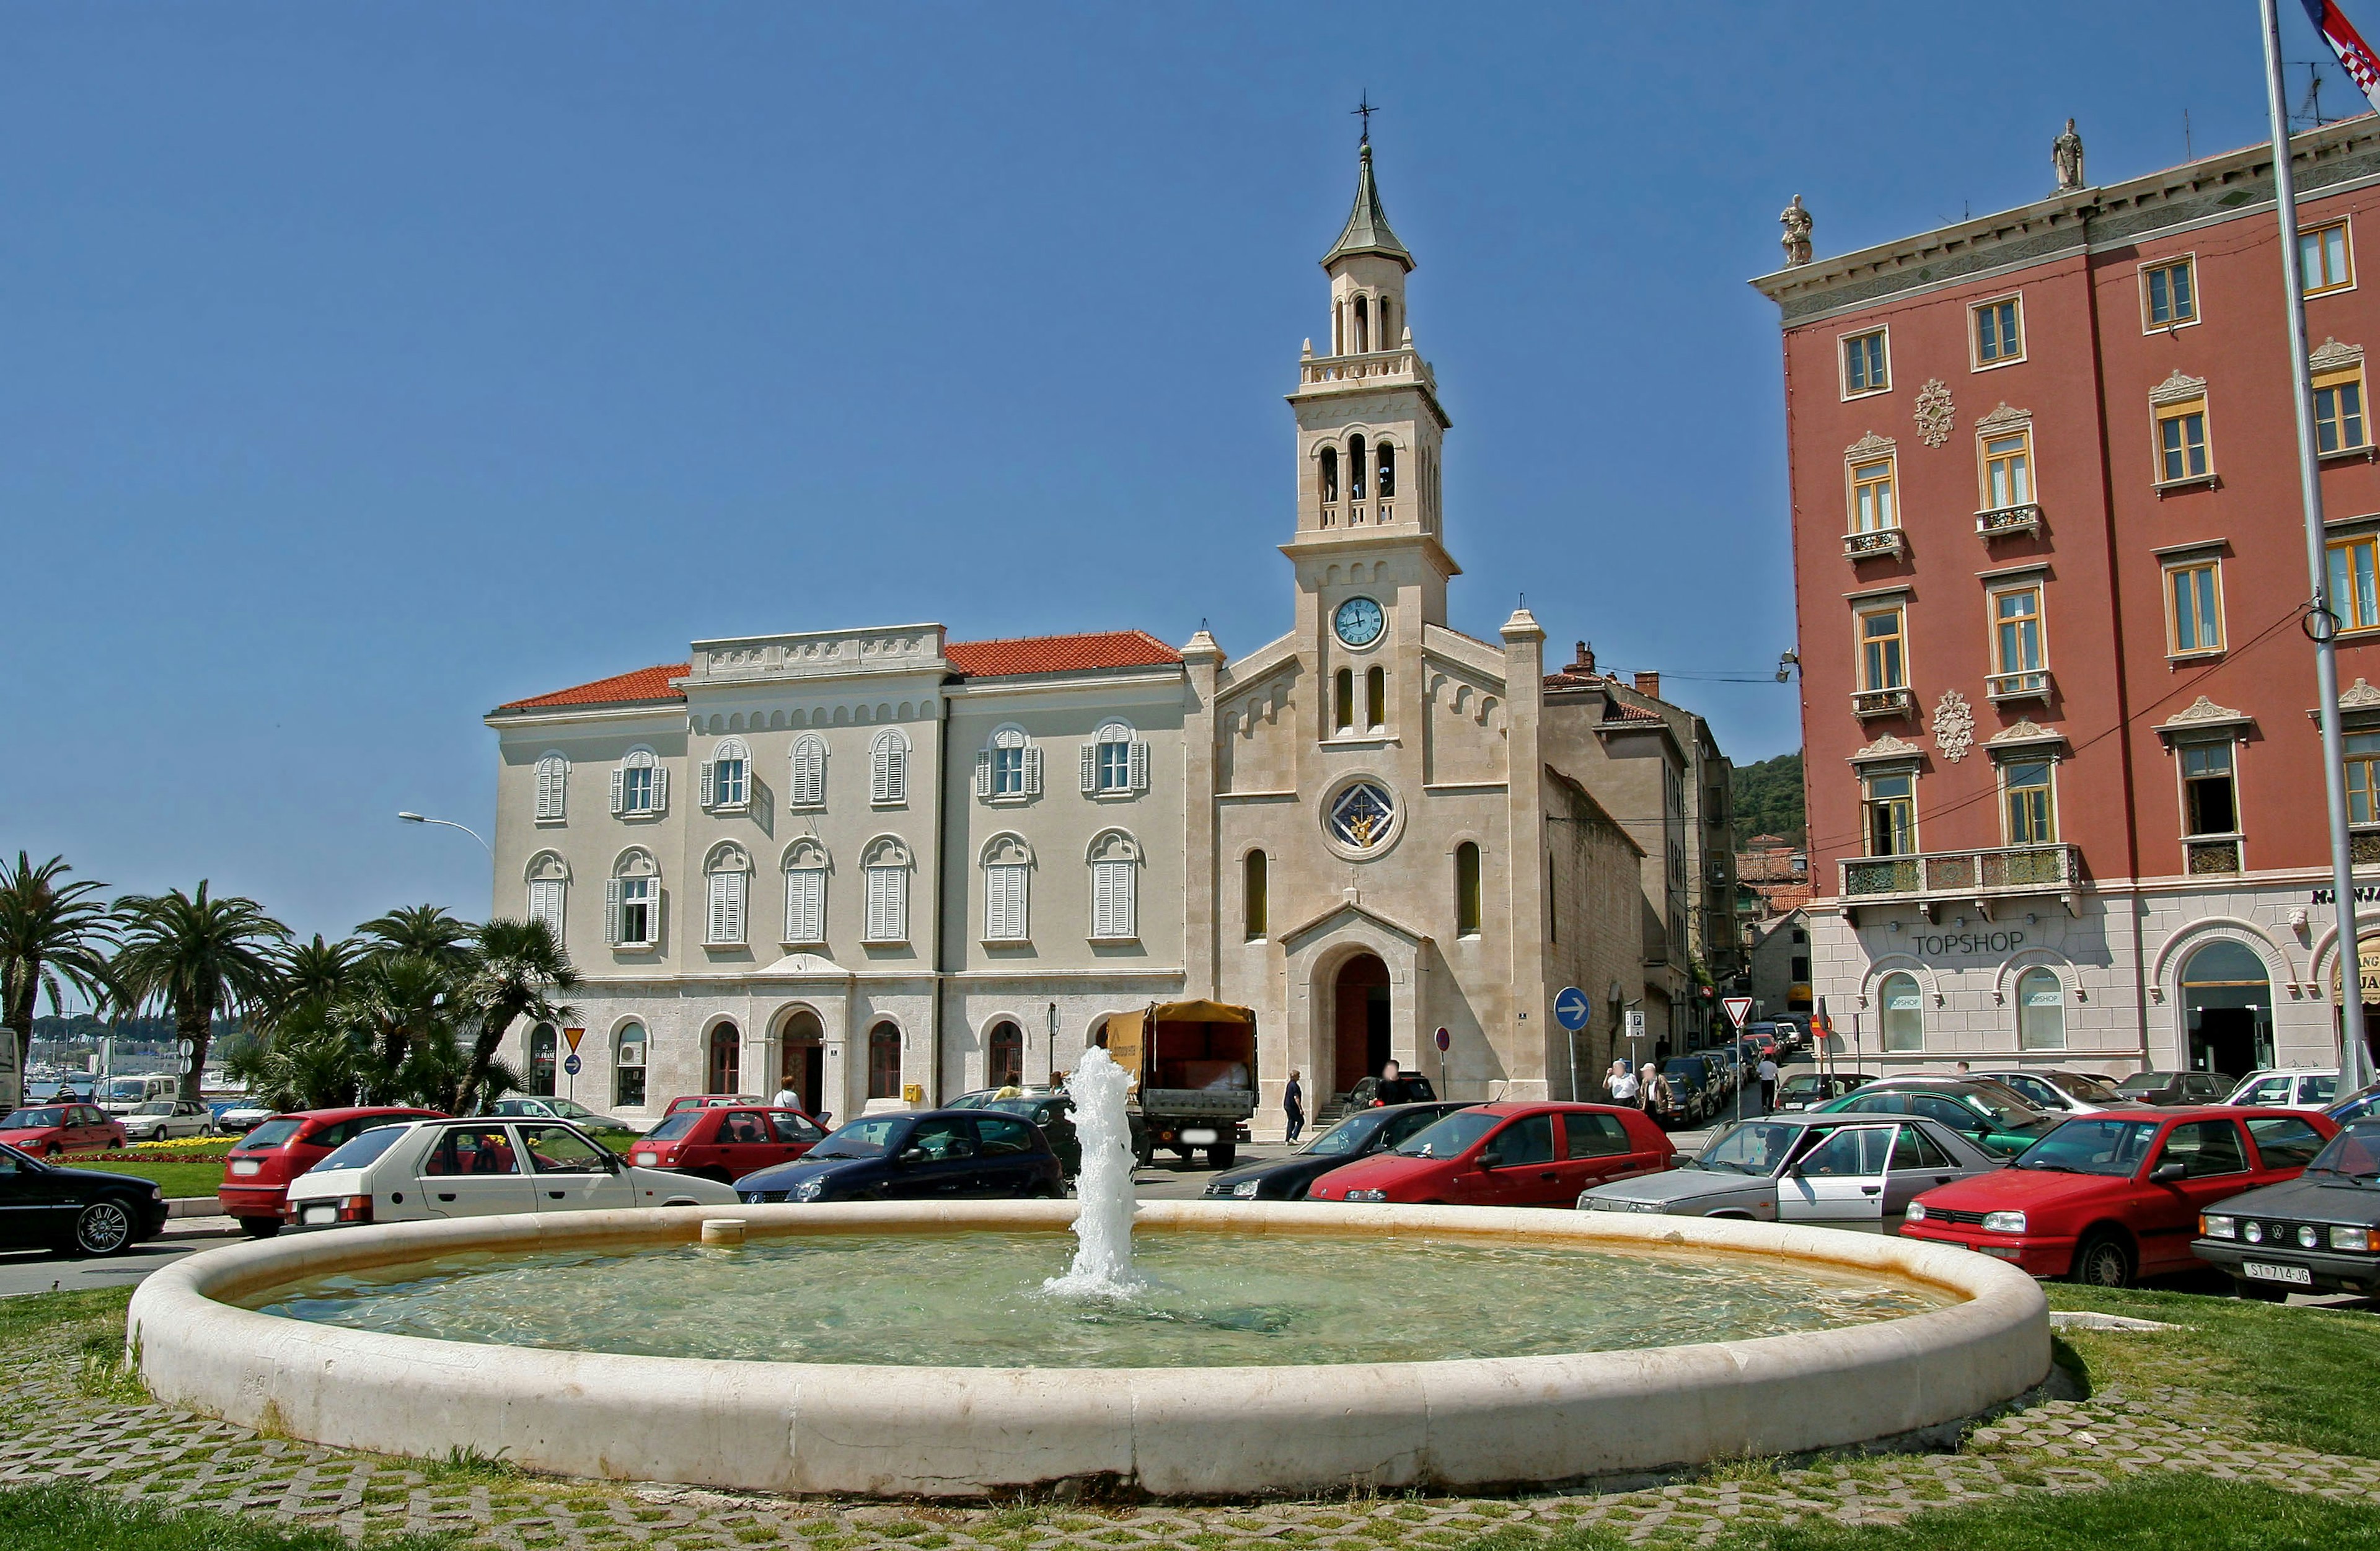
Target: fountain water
[1102, 1266]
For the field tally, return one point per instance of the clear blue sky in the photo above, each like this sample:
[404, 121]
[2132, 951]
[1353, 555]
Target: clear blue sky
[367, 365]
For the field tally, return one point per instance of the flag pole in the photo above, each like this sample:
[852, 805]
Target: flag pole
[2354, 1055]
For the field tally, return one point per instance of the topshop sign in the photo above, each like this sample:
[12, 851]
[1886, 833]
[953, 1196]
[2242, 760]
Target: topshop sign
[1947, 945]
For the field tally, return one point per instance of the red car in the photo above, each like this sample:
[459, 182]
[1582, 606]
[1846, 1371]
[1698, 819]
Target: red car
[2109, 1197]
[49, 1129]
[727, 1141]
[710, 1101]
[1506, 1155]
[256, 1175]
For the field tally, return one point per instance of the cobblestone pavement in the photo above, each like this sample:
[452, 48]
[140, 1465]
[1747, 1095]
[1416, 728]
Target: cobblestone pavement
[82, 1424]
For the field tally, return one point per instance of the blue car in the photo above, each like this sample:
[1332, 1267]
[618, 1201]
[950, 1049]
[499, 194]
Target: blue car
[941, 1155]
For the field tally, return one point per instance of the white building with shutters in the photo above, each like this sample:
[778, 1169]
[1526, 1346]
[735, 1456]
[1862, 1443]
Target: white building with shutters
[883, 867]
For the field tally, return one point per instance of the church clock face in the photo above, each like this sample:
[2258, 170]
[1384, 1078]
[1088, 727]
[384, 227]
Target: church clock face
[1358, 622]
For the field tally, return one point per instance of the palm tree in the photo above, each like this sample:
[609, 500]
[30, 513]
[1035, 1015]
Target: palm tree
[399, 1010]
[196, 956]
[52, 933]
[424, 930]
[314, 974]
[521, 968]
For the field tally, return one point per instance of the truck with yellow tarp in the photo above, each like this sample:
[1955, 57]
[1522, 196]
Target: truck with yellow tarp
[1194, 1083]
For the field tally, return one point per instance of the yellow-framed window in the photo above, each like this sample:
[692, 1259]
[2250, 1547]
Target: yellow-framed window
[1890, 802]
[2170, 293]
[2182, 441]
[2007, 469]
[1999, 329]
[2016, 629]
[2026, 801]
[1884, 663]
[2194, 617]
[1873, 510]
[2338, 424]
[1867, 367]
[2355, 582]
[2363, 778]
[2325, 257]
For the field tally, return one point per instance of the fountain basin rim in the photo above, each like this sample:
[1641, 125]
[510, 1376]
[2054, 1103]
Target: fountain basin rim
[1235, 1431]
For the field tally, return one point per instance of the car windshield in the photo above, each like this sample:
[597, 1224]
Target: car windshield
[269, 1136]
[364, 1147]
[2353, 1154]
[2093, 1146]
[123, 1090]
[2089, 1089]
[980, 1100]
[2145, 1082]
[156, 1107]
[569, 1111]
[1348, 1137]
[1040, 1111]
[1687, 1066]
[675, 1126]
[1450, 1135]
[1752, 1147]
[1803, 1082]
[32, 1119]
[2002, 1104]
[863, 1138]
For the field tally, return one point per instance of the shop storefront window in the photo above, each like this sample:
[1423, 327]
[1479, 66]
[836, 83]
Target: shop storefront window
[1904, 1013]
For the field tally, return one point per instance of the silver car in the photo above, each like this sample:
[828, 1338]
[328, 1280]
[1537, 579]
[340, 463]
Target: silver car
[1858, 1171]
[162, 1120]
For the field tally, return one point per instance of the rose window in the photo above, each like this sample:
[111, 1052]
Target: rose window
[1361, 816]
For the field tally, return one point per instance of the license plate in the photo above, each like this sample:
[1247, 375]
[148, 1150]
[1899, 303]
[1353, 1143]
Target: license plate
[319, 1214]
[246, 1165]
[1200, 1136]
[2296, 1275]
[644, 1160]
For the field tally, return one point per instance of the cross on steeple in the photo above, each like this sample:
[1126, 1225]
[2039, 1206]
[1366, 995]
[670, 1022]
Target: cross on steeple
[1364, 110]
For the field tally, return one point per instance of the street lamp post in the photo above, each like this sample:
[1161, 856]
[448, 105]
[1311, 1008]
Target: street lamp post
[418, 819]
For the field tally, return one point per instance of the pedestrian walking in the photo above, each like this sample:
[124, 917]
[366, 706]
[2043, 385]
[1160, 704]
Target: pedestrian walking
[1621, 1083]
[786, 1097]
[1292, 1106]
[1653, 1090]
[1767, 1083]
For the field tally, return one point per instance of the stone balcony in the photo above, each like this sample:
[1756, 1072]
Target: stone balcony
[1876, 543]
[1977, 880]
[1393, 366]
[2001, 522]
[1866, 703]
[2034, 684]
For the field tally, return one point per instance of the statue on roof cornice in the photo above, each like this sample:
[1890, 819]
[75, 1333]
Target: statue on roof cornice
[1797, 223]
[2066, 151]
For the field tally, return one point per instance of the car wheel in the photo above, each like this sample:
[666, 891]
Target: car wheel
[103, 1228]
[2102, 1261]
[260, 1228]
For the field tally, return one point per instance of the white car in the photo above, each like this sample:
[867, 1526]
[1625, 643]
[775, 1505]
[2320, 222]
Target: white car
[427, 1170]
[246, 1115]
[558, 1110]
[162, 1119]
[2295, 1088]
[2063, 1093]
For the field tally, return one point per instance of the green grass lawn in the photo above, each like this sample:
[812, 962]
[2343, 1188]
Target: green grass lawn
[178, 1179]
[76, 1517]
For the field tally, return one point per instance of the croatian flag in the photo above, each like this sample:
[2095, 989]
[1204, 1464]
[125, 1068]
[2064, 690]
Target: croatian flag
[2354, 54]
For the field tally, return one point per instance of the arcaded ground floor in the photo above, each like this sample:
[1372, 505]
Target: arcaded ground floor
[2224, 975]
[2176, 1419]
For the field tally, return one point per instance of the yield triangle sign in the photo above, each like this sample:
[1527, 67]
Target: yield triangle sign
[1737, 1009]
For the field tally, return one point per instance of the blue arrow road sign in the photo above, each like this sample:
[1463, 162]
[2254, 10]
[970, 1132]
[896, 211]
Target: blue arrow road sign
[571, 1063]
[1571, 1007]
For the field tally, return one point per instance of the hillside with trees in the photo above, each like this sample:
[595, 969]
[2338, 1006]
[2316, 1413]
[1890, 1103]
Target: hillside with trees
[1769, 800]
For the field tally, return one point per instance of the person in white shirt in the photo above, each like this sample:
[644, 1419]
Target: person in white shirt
[1621, 1083]
[787, 1099]
[1767, 1083]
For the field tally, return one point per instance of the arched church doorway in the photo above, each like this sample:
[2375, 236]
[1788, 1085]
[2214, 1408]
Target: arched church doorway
[2228, 1009]
[1360, 1024]
[801, 1058]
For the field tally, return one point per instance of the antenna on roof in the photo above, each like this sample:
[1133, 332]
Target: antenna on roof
[2187, 153]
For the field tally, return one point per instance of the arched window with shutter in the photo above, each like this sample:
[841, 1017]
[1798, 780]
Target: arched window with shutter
[548, 876]
[1003, 1064]
[888, 769]
[1114, 858]
[640, 785]
[1114, 762]
[885, 865]
[807, 787]
[1254, 907]
[1009, 767]
[884, 1061]
[631, 901]
[628, 1067]
[553, 786]
[1007, 888]
[728, 875]
[727, 777]
[806, 869]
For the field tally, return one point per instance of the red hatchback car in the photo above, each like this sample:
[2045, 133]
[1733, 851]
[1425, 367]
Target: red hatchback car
[1506, 1155]
[2109, 1197]
[727, 1142]
[256, 1175]
[50, 1130]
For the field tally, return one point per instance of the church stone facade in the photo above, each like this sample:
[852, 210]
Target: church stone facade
[885, 868]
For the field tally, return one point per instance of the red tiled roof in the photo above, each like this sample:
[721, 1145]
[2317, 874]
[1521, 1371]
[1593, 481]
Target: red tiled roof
[645, 684]
[1568, 680]
[1620, 711]
[1059, 654]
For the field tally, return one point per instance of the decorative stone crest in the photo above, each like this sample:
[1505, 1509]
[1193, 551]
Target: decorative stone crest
[1954, 726]
[2179, 388]
[1869, 446]
[1934, 412]
[2204, 710]
[1797, 223]
[1888, 748]
[2005, 418]
[2026, 733]
[2359, 695]
[2331, 356]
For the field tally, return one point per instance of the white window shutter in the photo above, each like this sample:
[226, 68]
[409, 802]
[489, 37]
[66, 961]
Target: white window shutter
[896, 774]
[1127, 889]
[611, 898]
[899, 904]
[806, 905]
[1139, 766]
[1091, 769]
[983, 773]
[653, 913]
[735, 881]
[1102, 900]
[879, 900]
[619, 776]
[880, 773]
[715, 929]
[709, 782]
[1033, 772]
[660, 788]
